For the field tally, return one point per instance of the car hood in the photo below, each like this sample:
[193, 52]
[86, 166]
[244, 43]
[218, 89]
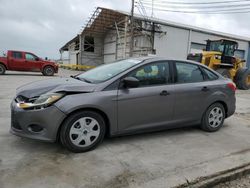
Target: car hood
[38, 88]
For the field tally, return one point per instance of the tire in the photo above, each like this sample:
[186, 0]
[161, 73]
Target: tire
[48, 71]
[82, 131]
[213, 118]
[2, 69]
[224, 72]
[242, 79]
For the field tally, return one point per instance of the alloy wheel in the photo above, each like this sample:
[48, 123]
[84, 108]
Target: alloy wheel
[215, 117]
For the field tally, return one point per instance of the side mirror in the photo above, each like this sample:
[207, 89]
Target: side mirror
[131, 82]
[37, 59]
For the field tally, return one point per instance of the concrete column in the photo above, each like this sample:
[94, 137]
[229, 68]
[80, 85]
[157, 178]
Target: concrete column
[80, 50]
[189, 41]
[248, 56]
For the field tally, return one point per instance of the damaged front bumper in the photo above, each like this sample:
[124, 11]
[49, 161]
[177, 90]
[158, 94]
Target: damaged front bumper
[40, 124]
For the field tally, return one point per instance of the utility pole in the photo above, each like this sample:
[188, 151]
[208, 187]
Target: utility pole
[131, 48]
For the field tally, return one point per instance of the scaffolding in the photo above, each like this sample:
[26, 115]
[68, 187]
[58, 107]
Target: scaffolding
[104, 22]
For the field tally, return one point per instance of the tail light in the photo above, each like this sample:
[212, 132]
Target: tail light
[232, 86]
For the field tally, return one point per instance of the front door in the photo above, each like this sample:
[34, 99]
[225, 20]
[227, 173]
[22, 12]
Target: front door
[149, 105]
[32, 62]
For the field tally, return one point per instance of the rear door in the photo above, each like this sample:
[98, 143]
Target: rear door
[191, 92]
[16, 61]
[150, 104]
[32, 62]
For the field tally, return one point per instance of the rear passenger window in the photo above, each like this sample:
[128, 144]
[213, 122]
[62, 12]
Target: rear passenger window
[188, 73]
[210, 75]
[17, 55]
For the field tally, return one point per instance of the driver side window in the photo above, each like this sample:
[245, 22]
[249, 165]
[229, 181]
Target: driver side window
[152, 74]
[30, 57]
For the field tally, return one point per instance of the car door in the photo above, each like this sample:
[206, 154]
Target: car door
[16, 61]
[191, 91]
[32, 62]
[150, 104]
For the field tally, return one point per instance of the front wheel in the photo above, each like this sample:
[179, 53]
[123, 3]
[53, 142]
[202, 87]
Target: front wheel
[48, 71]
[82, 131]
[213, 118]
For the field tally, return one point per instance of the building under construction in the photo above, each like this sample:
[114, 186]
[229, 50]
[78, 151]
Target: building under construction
[108, 36]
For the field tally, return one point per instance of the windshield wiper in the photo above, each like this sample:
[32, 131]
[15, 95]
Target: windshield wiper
[82, 79]
[75, 77]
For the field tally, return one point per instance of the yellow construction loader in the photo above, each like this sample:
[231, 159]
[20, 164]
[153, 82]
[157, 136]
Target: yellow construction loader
[219, 56]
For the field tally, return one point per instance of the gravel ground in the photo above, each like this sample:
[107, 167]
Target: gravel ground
[243, 182]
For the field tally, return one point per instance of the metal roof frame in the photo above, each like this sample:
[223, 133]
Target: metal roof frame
[103, 19]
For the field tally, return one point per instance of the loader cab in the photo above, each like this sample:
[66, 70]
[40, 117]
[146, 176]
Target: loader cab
[227, 49]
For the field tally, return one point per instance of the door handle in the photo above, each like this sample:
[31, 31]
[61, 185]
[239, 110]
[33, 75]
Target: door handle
[164, 93]
[205, 88]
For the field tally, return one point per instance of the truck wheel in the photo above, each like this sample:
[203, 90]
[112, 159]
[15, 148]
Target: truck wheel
[48, 71]
[2, 69]
[82, 131]
[242, 79]
[224, 72]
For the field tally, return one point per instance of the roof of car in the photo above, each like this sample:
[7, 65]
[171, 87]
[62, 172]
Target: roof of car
[158, 58]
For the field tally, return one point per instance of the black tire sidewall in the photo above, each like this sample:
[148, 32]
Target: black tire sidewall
[2, 68]
[243, 80]
[205, 124]
[45, 71]
[64, 133]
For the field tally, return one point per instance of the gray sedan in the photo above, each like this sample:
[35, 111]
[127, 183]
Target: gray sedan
[125, 97]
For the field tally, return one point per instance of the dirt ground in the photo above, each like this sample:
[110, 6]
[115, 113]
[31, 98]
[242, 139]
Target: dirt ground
[160, 159]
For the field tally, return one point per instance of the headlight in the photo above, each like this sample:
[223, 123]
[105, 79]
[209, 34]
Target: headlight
[41, 102]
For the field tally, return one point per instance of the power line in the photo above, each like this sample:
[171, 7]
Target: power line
[197, 3]
[203, 7]
[229, 11]
[142, 8]
[199, 8]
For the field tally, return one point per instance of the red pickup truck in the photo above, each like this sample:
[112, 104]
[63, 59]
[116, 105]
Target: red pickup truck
[26, 61]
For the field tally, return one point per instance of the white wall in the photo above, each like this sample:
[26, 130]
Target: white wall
[72, 54]
[92, 58]
[173, 44]
[109, 51]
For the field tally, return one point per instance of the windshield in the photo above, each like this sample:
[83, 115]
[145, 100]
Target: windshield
[107, 71]
[226, 48]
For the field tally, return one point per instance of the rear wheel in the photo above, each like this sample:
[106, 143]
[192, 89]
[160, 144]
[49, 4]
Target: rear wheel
[48, 71]
[82, 131]
[213, 118]
[2, 69]
[243, 79]
[224, 72]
